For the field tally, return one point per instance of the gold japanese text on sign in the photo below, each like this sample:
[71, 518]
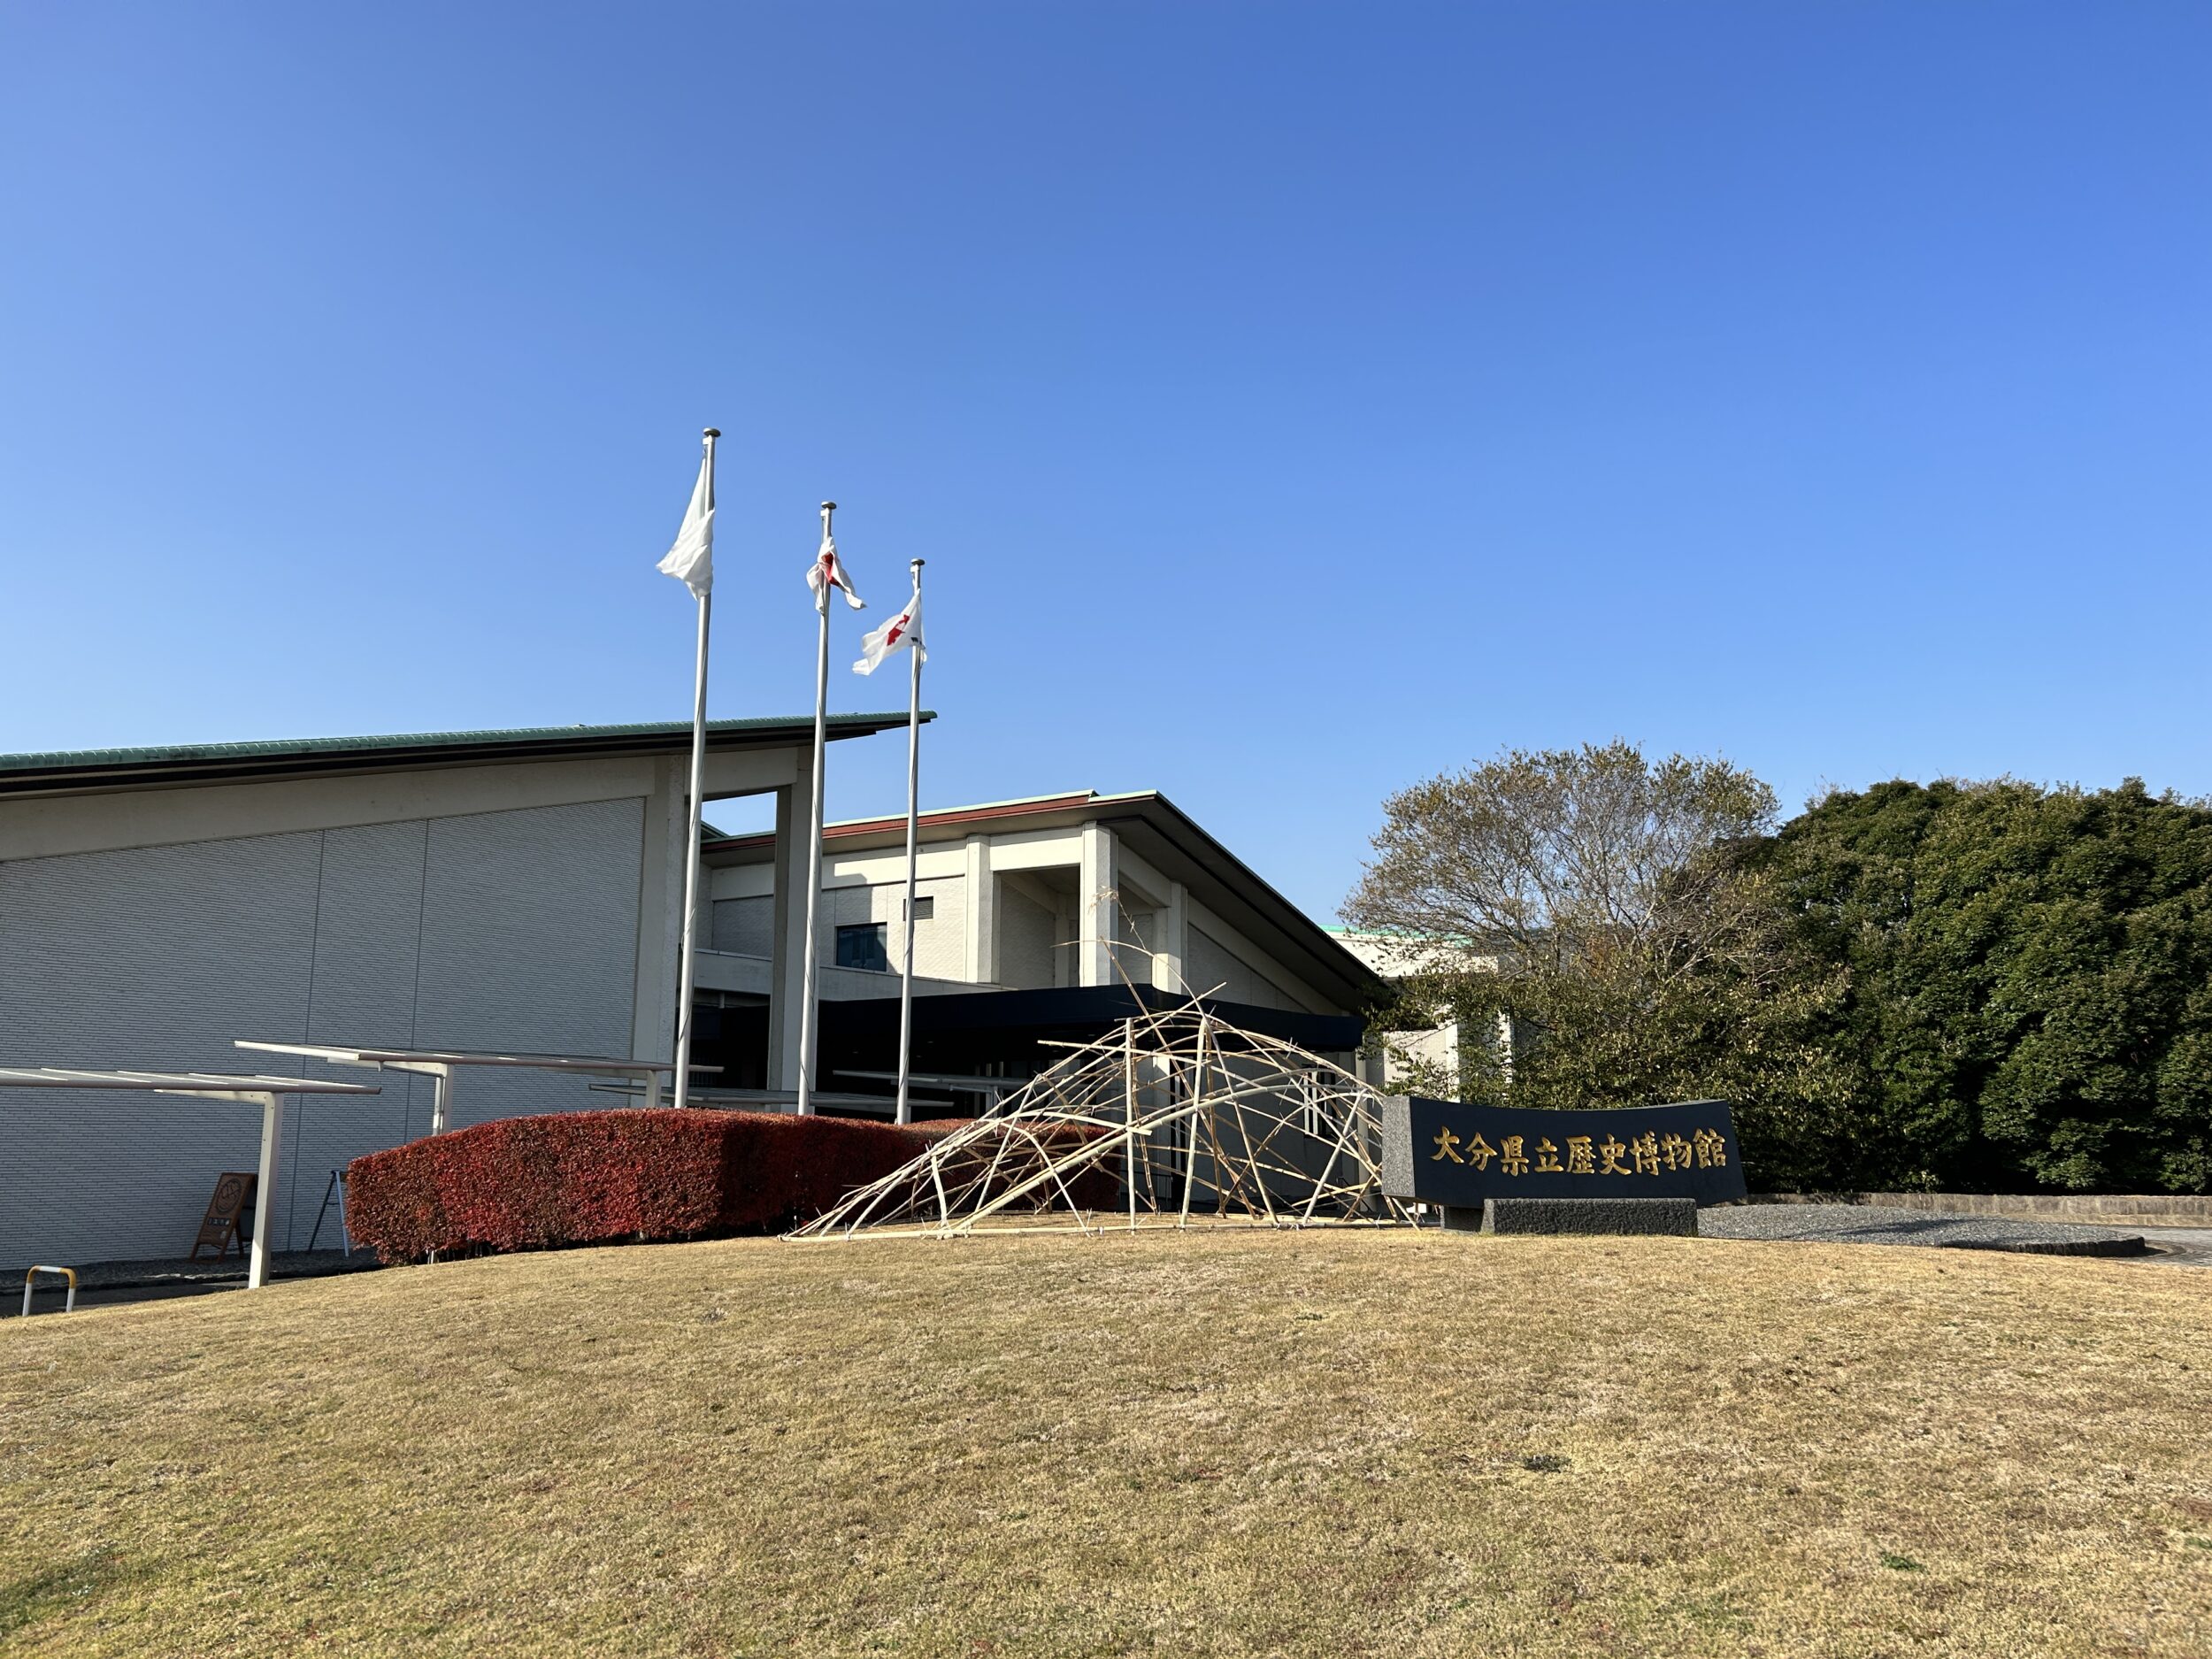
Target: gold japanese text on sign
[1462, 1152]
[1646, 1153]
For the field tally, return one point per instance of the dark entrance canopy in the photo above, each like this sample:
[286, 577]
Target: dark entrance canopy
[1014, 1033]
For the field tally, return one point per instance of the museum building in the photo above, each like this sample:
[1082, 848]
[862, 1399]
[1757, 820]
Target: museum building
[522, 891]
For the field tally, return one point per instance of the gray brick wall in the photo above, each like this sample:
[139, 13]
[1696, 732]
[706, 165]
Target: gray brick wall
[747, 926]
[1025, 941]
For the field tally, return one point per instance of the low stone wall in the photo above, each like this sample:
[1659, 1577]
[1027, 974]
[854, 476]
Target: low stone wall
[2142, 1210]
[1677, 1216]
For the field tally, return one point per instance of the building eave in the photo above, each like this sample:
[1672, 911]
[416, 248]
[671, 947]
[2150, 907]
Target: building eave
[90, 770]
[1174, 843]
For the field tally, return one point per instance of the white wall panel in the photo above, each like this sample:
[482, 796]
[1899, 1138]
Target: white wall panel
[529, 938]
[497, 930]
[1211, 963]
[746, 925]
[1025, 941]
[1135, 939]
[149, 958]
[368, 907]
[941, 939]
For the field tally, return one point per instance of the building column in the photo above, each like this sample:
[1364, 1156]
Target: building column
[1095, 904]
[982, 913]
[787, 966]
[1174, 924]
[660, 915]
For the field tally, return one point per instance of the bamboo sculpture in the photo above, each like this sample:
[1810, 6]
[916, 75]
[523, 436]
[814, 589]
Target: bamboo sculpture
[1175, 1119]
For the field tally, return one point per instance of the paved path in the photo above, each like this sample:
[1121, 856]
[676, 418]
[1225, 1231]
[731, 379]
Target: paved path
[2181, 1247]
[105, 1283]
[1879, 1223]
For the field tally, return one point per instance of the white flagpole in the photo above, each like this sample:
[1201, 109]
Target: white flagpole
[691, 839]
[913, 804]
[807, 1035]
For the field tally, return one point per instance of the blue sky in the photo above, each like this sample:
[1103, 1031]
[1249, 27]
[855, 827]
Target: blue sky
[1291, 401]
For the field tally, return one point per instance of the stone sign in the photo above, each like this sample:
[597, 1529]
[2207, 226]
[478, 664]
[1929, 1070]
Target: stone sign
[1439, 1152]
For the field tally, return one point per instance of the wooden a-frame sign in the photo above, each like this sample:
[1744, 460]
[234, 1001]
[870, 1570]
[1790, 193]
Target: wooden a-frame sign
[224, 1222]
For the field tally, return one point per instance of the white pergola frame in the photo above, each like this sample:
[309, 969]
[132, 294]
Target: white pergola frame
[266, 1092]
[994, 1090]
[439, 1064]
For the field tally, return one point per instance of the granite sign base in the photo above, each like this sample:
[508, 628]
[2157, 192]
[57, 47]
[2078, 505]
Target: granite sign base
[1674, 1216]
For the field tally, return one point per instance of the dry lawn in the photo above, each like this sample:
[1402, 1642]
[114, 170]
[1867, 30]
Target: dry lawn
[1325, 1444]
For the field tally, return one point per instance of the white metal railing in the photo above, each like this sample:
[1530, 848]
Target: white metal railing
[30, 1278]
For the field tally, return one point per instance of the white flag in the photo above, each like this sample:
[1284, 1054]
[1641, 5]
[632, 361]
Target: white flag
[902, 630]
[691, 561]
[827, 572]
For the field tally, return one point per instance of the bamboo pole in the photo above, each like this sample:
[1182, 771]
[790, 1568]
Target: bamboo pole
[1129, 1085]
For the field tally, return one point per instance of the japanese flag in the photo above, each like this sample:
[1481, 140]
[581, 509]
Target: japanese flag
[828, 572]
[691, 561]
[897, 634]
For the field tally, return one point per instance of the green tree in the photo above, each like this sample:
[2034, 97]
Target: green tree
[2029, 980]
[1613, 908]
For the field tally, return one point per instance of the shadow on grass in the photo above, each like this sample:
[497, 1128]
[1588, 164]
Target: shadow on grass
[65, 1586]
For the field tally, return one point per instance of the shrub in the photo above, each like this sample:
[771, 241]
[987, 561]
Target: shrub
[593, 1177]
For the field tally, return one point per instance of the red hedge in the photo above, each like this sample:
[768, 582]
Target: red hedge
[593, 1177]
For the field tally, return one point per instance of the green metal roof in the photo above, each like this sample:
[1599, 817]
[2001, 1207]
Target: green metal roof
[94, 768]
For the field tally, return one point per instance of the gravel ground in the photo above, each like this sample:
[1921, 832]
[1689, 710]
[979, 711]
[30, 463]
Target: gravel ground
[1874, 1223]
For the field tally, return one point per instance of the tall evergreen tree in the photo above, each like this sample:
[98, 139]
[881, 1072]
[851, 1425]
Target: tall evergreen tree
[2029, 981]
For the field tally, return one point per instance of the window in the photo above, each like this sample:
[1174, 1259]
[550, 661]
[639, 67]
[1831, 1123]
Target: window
[1313, 1117]
[862, 946]
[925, 907]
